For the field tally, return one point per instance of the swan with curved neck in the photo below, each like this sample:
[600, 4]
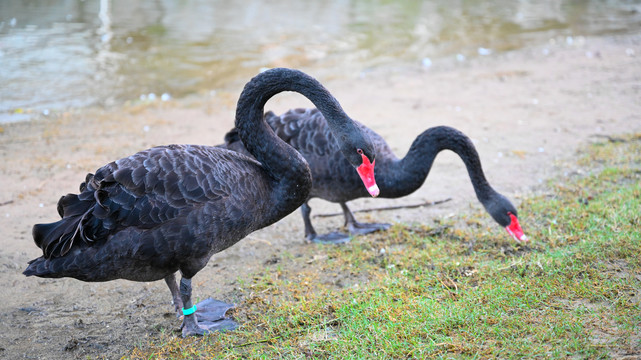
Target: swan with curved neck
[307, 131]
[170, 208]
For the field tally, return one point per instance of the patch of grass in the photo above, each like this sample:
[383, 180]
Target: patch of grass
[444, 292]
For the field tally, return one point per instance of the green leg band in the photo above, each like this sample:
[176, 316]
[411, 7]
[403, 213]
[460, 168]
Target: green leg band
[189, 311]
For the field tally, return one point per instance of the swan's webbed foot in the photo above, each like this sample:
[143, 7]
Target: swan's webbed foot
[211, 314]
[340, 238]
[331, 238]
[357, 228]
[209, 317]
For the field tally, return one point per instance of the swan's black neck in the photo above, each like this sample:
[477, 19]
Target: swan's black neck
[408, 174]
[291, 174]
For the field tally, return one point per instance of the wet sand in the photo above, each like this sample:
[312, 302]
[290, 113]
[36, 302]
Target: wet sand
[528, 111]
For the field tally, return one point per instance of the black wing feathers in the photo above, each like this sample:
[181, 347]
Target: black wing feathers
[143, 190]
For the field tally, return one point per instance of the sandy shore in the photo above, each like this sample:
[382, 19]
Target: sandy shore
[528, 112]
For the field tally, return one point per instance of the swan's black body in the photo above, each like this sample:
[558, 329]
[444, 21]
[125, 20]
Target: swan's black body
[157, 211]
[307, 131]
[170, 208]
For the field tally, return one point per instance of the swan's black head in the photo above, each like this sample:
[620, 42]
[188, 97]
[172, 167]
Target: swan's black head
[504, 213]
[359, 151]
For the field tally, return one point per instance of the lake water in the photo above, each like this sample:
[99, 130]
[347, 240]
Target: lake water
[58, 54]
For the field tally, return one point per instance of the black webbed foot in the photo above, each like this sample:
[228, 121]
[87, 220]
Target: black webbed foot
[209, 317]
[331, 238]
[357, 228]
[211, 314]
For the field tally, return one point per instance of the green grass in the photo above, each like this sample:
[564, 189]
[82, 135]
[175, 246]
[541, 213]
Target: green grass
[460, 291]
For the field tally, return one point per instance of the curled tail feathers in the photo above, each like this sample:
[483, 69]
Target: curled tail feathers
[56, 239]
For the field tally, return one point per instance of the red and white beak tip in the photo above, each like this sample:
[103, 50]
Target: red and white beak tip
[522, 238]
[514, 229]
[373, 190]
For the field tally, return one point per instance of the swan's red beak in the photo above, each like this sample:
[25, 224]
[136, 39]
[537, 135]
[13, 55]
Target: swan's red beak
[515, 230]
[366, 172]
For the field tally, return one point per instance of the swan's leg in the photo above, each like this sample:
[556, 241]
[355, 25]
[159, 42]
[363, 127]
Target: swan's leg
[357, 228]
[175, 294]
[190, 324]
[310, 233]
[209, 315]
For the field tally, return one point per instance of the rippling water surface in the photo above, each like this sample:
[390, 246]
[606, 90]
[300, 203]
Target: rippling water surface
[58, 54]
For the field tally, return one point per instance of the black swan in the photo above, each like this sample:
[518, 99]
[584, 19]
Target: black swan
[170, 208]
[306, 130]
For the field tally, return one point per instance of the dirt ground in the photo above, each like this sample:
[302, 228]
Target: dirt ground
[528, 112]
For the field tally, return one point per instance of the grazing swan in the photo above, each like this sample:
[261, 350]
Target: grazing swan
[308, 131]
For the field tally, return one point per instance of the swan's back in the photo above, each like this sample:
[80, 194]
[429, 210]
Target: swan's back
[145, 216]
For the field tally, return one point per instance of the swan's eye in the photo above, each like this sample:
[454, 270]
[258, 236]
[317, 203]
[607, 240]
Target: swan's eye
[359, 151]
